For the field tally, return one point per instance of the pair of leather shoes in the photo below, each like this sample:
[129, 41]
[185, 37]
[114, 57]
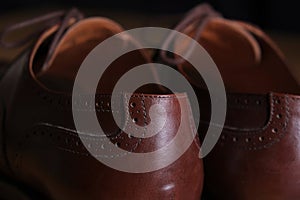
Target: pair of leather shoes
[256, 157]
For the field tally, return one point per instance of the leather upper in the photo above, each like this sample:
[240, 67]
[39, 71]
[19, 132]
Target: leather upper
[257, 155]
[42, 149]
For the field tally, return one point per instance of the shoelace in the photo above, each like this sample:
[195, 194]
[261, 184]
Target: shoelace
[60, 17]
[200, 16]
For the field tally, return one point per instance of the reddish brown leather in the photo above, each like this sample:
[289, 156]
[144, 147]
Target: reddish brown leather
[258, 154]
[248, 60]
[40, 147]
[259, 163]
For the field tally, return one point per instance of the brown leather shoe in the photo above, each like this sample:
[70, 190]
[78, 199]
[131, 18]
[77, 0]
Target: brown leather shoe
[40, 147]
[257, 156]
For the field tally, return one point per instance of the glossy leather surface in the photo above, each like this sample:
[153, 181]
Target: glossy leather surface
[258, 154]
[40, 147]
[258, 163]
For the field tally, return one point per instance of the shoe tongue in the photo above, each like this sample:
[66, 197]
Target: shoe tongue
[230, 44]
[247, 59]
[79, 41]
[76, 43]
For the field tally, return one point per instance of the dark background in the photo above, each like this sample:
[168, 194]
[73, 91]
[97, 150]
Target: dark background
[269, 14]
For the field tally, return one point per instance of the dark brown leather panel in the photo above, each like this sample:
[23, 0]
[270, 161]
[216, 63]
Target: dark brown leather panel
[260, 164]
[8, 85]
[257, 155]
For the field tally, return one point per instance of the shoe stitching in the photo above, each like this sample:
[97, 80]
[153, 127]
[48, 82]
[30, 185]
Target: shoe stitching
[280, 133]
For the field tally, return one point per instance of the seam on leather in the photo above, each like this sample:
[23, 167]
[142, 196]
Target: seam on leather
[234, 138]
[29, 136]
